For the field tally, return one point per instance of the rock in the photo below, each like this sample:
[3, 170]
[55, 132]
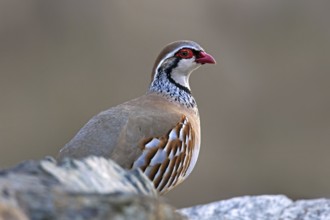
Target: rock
[241, 208]
[92, 188]
[55, 205]
[265, 207]
[308, 210]
[99, 175]
[97, 188]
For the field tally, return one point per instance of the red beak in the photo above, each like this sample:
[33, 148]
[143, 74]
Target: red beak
[205, 58]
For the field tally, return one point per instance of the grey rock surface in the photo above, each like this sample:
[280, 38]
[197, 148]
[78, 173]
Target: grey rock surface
[92, 188]
[97, 188]
[308, 210]
[99, 175]
[265, 207]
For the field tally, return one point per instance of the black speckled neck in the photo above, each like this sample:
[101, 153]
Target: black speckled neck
[164, 84]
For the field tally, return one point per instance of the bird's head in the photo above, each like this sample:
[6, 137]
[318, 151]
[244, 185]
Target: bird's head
[177, 60]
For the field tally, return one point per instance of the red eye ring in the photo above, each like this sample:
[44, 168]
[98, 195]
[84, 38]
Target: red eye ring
[185, 53]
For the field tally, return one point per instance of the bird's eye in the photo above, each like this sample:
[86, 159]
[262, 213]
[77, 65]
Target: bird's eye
[185, 53]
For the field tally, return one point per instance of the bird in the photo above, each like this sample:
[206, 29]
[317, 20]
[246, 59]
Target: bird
[158, 132]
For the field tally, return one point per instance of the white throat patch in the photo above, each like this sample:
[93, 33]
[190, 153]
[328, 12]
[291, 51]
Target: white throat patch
[181, 73]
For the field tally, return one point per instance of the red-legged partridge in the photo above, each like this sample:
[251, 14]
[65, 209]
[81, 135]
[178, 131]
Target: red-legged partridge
[158, 132]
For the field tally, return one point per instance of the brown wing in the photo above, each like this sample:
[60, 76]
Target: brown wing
[166, 159]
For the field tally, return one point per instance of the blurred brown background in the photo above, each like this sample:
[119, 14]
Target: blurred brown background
[264, 107]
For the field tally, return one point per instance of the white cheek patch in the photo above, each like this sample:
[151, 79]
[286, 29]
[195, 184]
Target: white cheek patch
[181, 73]
[186, 66]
